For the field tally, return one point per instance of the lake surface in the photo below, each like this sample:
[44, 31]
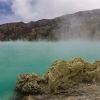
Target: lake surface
[28, 57]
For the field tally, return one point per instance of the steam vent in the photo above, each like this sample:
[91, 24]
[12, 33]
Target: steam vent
[65, 80]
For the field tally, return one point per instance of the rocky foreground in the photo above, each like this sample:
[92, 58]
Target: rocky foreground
[65, 80]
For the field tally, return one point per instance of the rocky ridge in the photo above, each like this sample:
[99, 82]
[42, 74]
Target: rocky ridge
[82, 25]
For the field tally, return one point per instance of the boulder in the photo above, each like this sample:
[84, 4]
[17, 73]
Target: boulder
[62, 77]
[30, 83]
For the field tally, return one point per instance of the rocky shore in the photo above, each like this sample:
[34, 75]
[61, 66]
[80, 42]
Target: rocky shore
[65, 80]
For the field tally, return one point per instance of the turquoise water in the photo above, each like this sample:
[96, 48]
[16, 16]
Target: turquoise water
[28, 57]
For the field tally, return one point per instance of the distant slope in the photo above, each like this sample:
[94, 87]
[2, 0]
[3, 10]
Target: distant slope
[83, 25]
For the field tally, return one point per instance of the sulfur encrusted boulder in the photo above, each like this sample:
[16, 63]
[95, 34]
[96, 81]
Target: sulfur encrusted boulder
[31, 83]
[64, 75]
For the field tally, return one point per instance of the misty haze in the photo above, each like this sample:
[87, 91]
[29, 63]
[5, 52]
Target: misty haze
[80, 25]
[49, 50]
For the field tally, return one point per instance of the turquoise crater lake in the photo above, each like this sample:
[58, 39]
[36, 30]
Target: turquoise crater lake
[27, 57]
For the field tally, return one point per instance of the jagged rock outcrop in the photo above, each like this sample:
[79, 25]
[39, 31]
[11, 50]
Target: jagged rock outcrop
[31, 83]
[80, 25]
[62, 77]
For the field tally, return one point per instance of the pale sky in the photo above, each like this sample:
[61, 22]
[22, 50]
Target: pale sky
[32, 10]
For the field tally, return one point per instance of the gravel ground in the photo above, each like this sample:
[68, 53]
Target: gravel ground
[82, 92]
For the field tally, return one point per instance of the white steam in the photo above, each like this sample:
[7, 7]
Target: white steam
[39, 9]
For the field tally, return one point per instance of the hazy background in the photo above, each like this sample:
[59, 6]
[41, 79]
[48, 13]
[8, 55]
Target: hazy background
[28, 10]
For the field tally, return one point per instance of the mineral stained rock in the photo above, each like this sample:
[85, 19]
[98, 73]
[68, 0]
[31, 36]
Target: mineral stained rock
[62, 77]
[31, 83]
[80, 25]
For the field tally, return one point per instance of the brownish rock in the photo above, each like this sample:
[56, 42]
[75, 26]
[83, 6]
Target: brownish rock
[80, 25]
[62, 77]
[31, 83]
